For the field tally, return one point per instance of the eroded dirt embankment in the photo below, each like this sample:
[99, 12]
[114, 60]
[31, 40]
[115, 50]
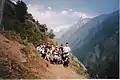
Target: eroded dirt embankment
[18, 61]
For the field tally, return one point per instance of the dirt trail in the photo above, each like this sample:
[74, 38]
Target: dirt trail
[30, 66]
[60, 72]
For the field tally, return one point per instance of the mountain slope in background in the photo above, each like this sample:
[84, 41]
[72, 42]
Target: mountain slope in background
[66, 36]
[81, 33]
[96, 44]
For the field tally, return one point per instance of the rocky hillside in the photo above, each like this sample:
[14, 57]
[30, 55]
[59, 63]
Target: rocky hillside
[19, 34]
[20, 61]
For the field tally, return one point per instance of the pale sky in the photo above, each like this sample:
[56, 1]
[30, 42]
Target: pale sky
[61, 14]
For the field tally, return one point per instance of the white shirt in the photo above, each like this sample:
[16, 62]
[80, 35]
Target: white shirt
[53, 48]
[56, 56]
[38, 48]
[66, 49]
[55, 53]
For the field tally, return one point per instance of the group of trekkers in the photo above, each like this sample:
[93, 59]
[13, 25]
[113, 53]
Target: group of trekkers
[54, 54]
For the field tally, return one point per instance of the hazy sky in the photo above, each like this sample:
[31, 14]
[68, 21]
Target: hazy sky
[61, 14]
[88, 6]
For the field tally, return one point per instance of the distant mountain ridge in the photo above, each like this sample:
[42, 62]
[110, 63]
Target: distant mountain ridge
[64, 38]
[89, 31]
[98, 40]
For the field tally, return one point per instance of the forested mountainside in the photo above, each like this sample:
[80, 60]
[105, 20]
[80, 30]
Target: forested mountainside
[96, 45]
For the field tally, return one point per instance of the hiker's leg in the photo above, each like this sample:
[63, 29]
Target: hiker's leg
[53, 60]
[48, 59]
[56, 61]
[64, 64]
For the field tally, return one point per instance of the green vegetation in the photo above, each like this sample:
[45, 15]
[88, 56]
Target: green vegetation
[16, 19]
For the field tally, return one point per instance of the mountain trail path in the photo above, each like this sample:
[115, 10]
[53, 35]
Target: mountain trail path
[63, 73]
[12, 49]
